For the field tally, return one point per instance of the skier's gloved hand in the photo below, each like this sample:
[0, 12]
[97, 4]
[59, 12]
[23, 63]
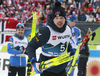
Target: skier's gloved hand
[73, 50]
[21, 48]
[93, 35]
[86, 39]
[17, 47]
[33, 61]
[23, 52]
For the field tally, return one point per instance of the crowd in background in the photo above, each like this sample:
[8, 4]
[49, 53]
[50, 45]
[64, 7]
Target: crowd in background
[21, 10]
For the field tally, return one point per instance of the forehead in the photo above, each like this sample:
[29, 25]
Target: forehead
[20, 29]
[59, 17]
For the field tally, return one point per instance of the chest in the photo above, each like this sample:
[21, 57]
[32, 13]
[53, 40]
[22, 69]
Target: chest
[17, 42]
[57, 38]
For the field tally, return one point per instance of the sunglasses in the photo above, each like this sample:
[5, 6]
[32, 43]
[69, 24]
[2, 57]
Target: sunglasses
[69, 21]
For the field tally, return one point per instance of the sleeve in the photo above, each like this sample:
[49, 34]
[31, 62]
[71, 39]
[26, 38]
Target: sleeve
[79, 36]
[70, 49]
[40, 39]
[10, 48]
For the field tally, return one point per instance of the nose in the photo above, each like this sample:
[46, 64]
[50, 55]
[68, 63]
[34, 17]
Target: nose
[59, 20]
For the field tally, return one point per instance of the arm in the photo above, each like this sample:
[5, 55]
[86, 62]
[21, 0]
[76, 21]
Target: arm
[40, 39]
[11, 49]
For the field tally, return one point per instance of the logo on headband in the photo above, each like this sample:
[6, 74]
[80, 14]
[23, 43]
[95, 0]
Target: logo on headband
[20, 26]
[57, 13]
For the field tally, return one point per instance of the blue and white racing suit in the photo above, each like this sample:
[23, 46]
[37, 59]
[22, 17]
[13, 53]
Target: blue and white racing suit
[75, 40]
[17, 59]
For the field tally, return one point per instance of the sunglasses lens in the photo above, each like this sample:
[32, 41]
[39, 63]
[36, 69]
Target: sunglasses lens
[69, 21]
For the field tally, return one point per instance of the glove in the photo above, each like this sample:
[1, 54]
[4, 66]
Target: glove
[33, 61]
[17, 47]
[21, 48]
[93, 35]
[23, 52]
[73, 50]
[86, 39]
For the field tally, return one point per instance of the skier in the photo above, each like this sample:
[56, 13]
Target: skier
[16, 48]
[84, 54]
[54, 39]
[76, 35]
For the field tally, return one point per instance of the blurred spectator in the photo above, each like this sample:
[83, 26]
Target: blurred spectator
[15, 2]
[82, 7]
[81, 16]
[60, 0]
[54, 1]
[48, 2]
[1, 2]
[74, 4]
[48, 11]
[20, 8]
[96, 3]
[38, 13]
[17, 16]
[87, 13]
[77, 3]
[24, 14]
[66, 8]
[96, 10]
[91, 18]
[12, 9]
[2, 15]
[11, 15]
[98, 13]
[24, 17]
[77, 10]
[98, 18]
[72, 8]
[68, 13]
[86, 3]
[74, 13]
[23, 20]
[41, 17]
[64, 2]
[90, 8]
[29, 17]
[81, 2]
[5, 4]
[2, 8]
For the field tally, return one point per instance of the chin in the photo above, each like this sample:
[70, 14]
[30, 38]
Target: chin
[59, 26]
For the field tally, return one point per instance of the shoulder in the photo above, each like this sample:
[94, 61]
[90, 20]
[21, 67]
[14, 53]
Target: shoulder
[11, 39]
[26, 38]
[44, 30]
[68, 28]
[76, 28]
[42, 36]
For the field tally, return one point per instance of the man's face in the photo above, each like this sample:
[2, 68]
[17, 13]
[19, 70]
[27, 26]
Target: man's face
[20, 31]
[71, 23]
[59, 21]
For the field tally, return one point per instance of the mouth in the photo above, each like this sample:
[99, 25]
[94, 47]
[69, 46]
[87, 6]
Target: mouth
[59, 24]
[20, 33]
